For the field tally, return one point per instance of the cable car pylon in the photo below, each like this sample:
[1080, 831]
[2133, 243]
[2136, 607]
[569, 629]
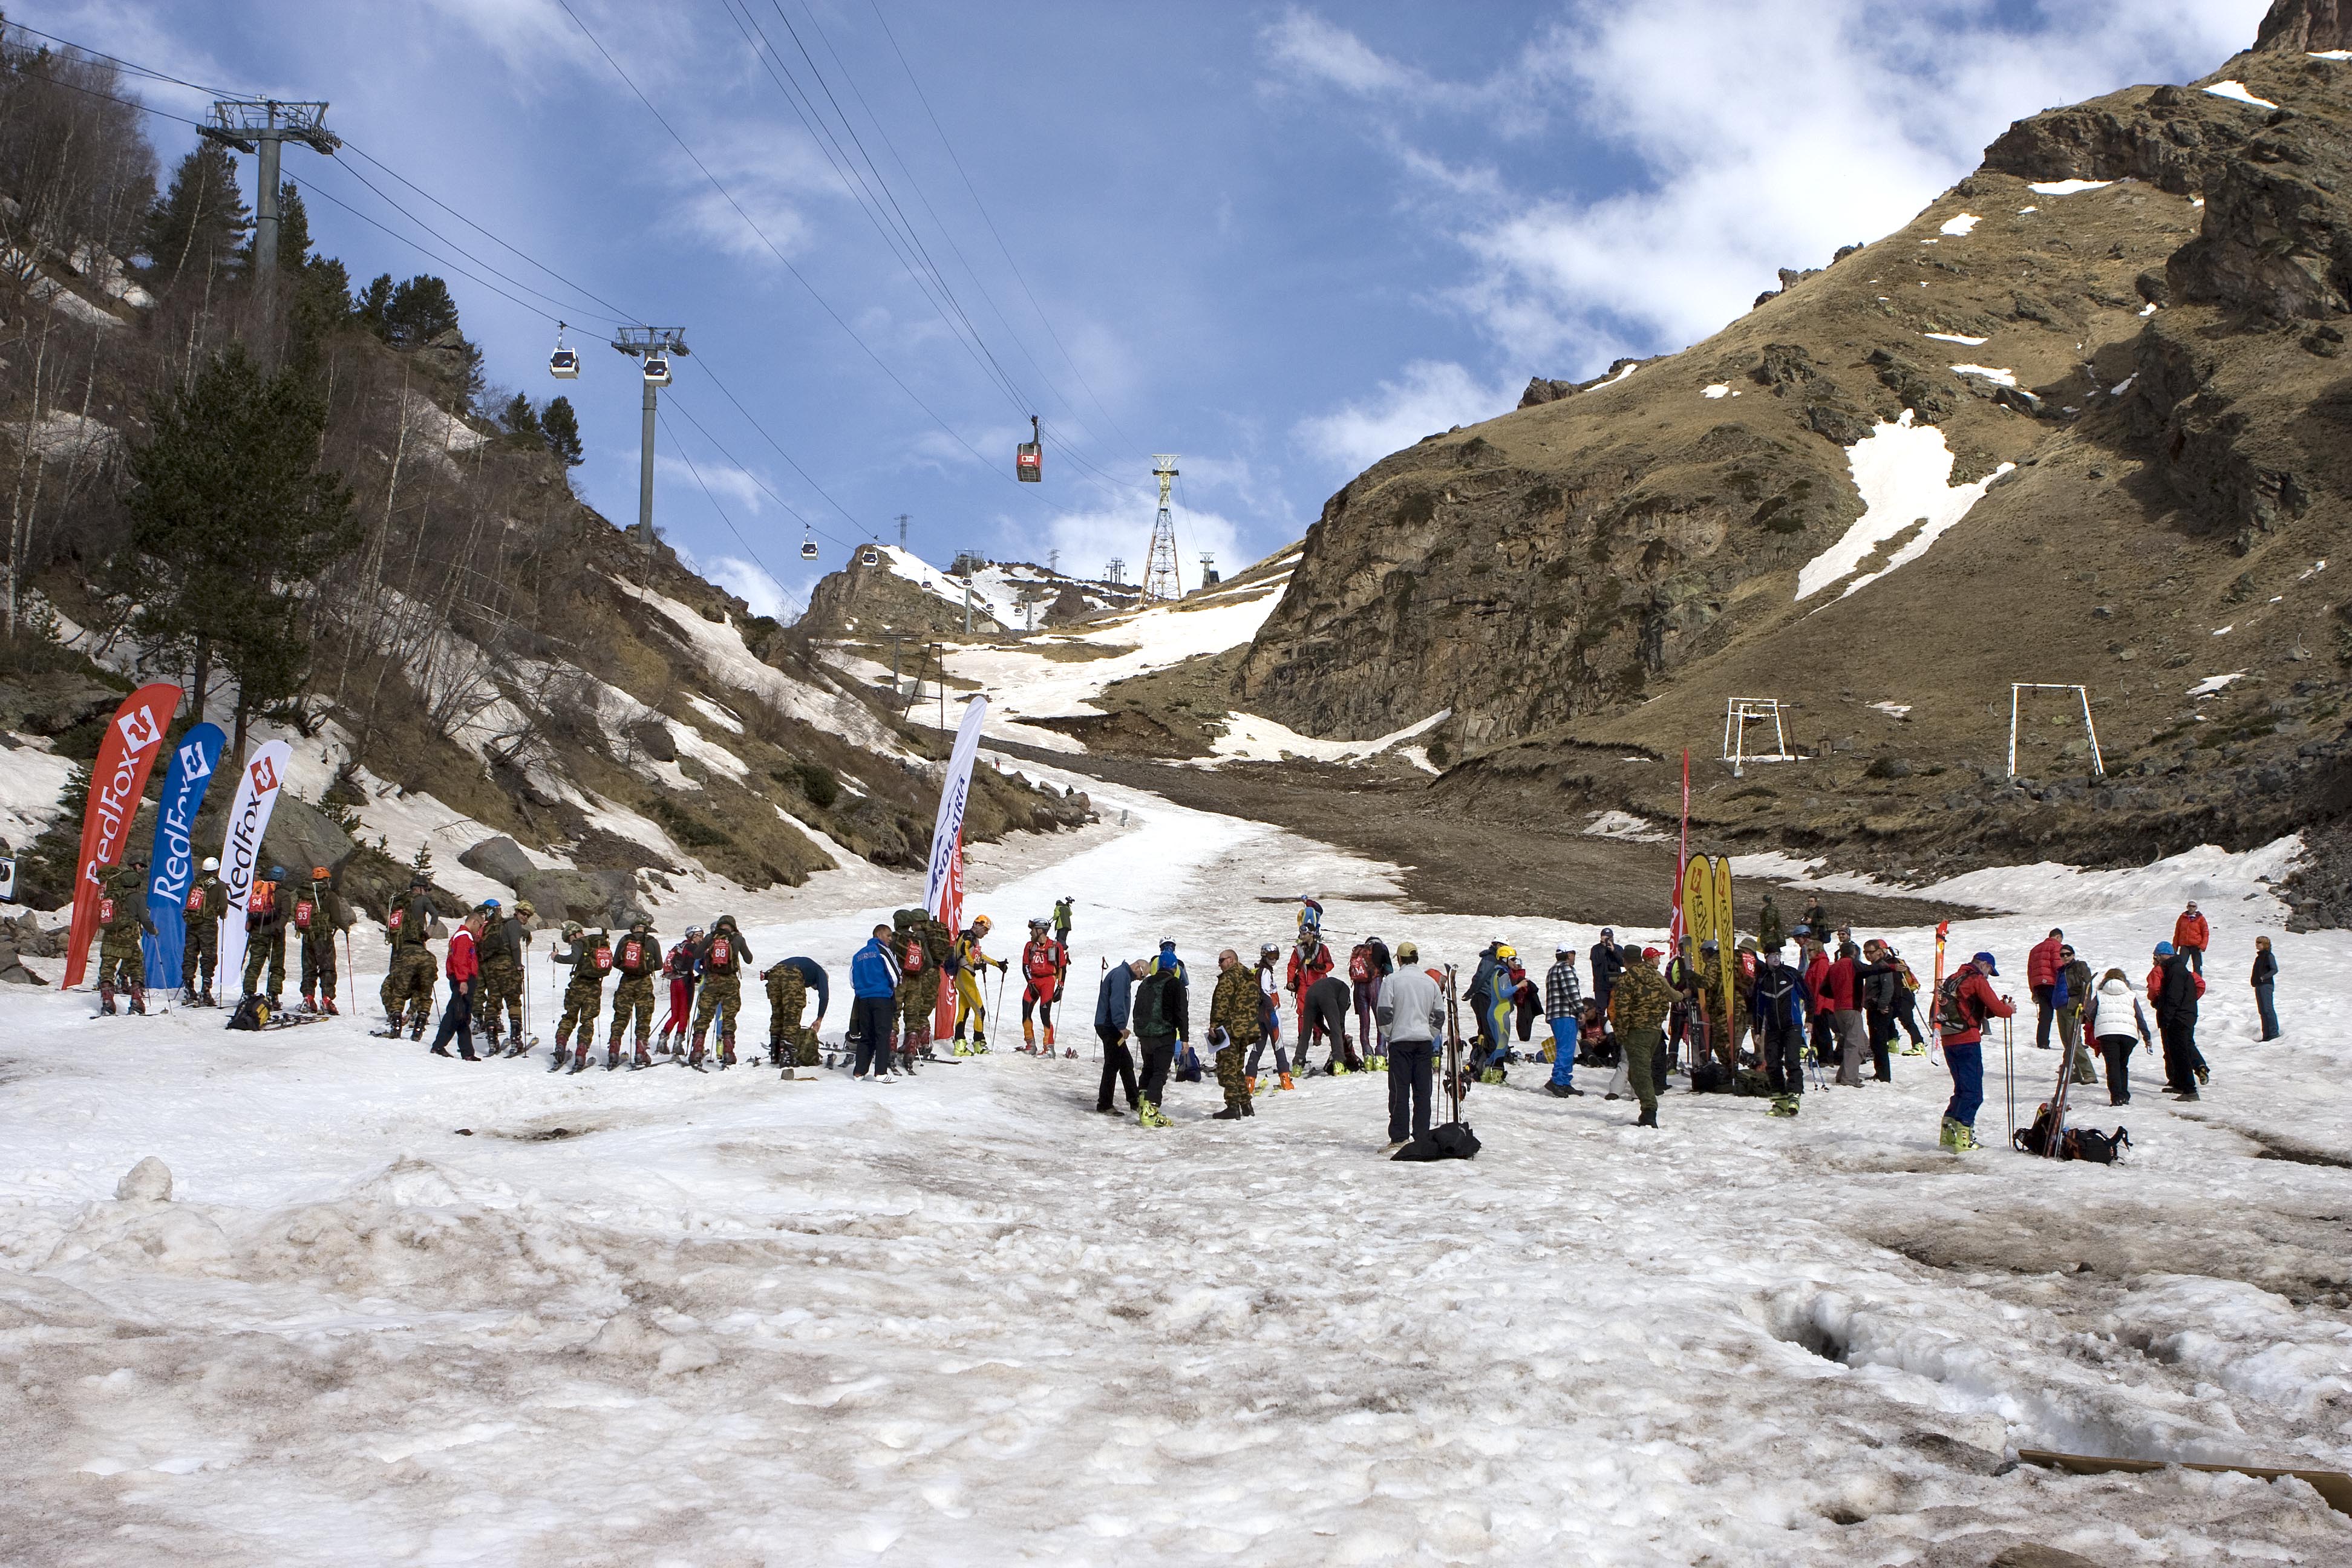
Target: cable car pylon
[654, 346]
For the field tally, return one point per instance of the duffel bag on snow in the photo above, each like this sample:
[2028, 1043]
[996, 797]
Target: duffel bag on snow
[1710, 1078]
[253, 1013]
[1453, 1140]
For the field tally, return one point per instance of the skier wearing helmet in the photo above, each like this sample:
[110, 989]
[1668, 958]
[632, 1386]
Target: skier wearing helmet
[208, 902]
[1040, 965]
[1269, 1017]
[1310, 961]
[971, 1009]
[681, 968]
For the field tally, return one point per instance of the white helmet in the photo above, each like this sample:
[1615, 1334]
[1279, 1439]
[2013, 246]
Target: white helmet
[212, 862]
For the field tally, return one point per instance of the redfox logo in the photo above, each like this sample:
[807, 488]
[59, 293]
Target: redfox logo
[140, 730]
[265, 774]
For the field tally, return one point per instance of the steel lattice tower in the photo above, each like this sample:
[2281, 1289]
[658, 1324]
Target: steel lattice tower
[1160, 580]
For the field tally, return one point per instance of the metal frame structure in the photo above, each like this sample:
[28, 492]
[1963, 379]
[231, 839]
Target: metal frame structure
[262, 127]
[1160, 578]
[2018, 688]
[1738, 712]
[647, 344]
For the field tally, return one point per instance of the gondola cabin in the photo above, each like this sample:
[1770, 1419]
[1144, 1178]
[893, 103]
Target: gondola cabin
[1029, 457]
[658, 370]
[808, 550]
[869, 556]
[564, 364]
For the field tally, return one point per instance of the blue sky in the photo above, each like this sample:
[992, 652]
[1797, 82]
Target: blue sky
[1279, 240]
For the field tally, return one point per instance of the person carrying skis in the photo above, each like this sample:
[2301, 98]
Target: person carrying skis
[410, 974]
[680, 968]
[1232, 1023]
[2191, 936]
[589, 959]
[208, 902]
[874, 975]
[1064, 918]
[1638, 1007]
[720, 961]
[1564, 1004]
[465, 970]
[971, 1005]
[1160, 1017]
[1412, 1015]
[122, 917]
[319, 914]
[1963, 1007]
[636, 959]
[268, 910]
[1042, 964]
[1269, 1017]
[2113, 1018]
[1781, 1005]
[1608, 962]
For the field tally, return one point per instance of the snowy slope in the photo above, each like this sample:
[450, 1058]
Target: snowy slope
[407, 1309]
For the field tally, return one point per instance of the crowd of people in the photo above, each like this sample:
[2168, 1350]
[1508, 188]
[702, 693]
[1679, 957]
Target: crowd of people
[1796, 1003]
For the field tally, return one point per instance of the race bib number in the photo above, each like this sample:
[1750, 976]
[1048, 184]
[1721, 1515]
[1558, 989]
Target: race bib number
[105, 911]
[604, 958]
[259, 904]
[720, 953]
[914, 957]
[302, 916]
[196, 901]
[631, 959]
[394, 921]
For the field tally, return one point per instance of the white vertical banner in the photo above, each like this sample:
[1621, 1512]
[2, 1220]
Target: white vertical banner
[249, 819]
[947, 832]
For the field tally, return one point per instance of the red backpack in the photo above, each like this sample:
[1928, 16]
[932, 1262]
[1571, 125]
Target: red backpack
[604, 958]
[392, 919]
[195, 900]
[1359, 964]
[721, 954]
[633, 955]
[914, 959]
[263, 898]
[302, 915]
[106, 910]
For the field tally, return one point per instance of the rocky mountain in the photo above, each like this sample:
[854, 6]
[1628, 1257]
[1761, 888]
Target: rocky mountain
[903, 594]
[2083, 420]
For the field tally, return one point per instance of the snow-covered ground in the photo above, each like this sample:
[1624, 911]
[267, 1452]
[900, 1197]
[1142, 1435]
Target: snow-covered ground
[403, 1310]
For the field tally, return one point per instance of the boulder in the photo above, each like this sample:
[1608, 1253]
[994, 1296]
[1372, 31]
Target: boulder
[148, 1182]
[302, 837]
[501, 860]
[652, 740]
[592, 898]
[13, 973]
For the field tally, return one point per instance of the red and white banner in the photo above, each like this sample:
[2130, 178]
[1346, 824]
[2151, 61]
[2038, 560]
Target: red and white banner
[117, 781]
[248, 821]
[943, 890]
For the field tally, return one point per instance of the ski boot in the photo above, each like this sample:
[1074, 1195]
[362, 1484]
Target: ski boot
[1491, 1075]
[188, 996]
[327, 1006]
[1915, 1048]
[1287, 1082]
[416, 1031]
[105, 1003]
[555, 1057]
[310, 1003]
[1785, 1105]
[1253, 1085]
[726, 1054]
[1069, 1053]
[2204, 1073]
[139, 1002]
[1028, 1045]
[579, 1059]
[641, 1061]
[962, 1047]
[1148, 1115]
[208, 998]
[979, 1045]
[1964, 1140]
[1563, 1091]
[515, 1046]
[695, 1061]
[1649, 1117]
[612, 1057]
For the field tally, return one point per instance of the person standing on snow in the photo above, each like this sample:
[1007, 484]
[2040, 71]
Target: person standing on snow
[2071, 994]
[874, 975]
[502, 947]
[1563, 1004]
[1232, 1020]
[1880, 978]
[208, 902]
[409, 977]
[1638, 1008]
[457, 1016]
[1843, 987]
[1269, 1017]
[1608, 962]
[2191, 936]
[1160, 1018]
[636, 959]
[1064, 918]
[1411, 1011]
[1817, 980]
[2265, 982]
[1364, 971]
[1114, 1007]
[972, 1006]
[319, 914]
[2113, 1019]
[1310, 961]
[1967, 1001]
[268, 910]
[720, 961]
[1327, 1014]
[2042, 979]
[1782, 1004]
[122, 917]
[589, 959]
[1770, 930]
[789, 1046]
[1816, 922]
[2177, 987]
[1042, 964]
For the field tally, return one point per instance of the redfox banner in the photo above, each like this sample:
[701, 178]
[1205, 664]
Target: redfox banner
[118, 781]
[943, 894]
[172, 865]
[249, 820]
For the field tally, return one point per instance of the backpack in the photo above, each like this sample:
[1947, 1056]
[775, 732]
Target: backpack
[302, 915]
[1753, 1083]
[1902, 970]
[1951, 1012]
[196, 899]
[2036, 1139]
[263, 898]
[603, 958]
[2090, 1143]
[1453, 1140]
[1360, 964]
[805, 1053]
[722, 954]
[1711, 1078]
[632, 958]
[1188, 1066]
[252, 1013]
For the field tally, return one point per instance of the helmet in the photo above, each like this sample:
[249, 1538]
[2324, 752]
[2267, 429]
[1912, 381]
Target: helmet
[1037, 925]
[639, 922]
[724, 923]
[981, 923]
[1710, 945]
[1269, 947]
[278, 873]
[1505, 950]
[212, 862]
[694, 930]
[418, 880]
[523, 908]
[570, 930]
[320, 874]
[488, 907]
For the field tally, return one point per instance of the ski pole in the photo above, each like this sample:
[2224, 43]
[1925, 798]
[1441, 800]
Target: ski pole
[2009, 1071]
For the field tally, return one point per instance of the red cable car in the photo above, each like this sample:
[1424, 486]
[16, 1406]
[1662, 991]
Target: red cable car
[1029, 459]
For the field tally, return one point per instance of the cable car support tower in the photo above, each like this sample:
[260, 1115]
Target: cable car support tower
[654, 346]
[1160, 580]
[262, 127]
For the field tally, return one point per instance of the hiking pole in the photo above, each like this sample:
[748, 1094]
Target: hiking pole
[2009, 1071]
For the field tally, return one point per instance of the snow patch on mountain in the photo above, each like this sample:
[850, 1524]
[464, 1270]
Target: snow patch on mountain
[2237, 92]
[1904, 472]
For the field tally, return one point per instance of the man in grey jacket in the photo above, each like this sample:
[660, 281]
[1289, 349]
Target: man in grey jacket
[1411, 1014]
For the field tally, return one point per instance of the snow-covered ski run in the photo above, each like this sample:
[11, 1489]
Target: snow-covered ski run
[404, 1310]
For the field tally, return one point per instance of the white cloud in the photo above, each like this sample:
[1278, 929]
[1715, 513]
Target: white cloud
[728, 482]
[1306, 46]
[748, 582]
[1430, 396]
[1090, 539]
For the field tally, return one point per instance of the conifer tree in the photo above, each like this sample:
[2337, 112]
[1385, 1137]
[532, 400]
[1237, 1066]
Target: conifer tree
[521, 422]
[199, 223]
[562, 429]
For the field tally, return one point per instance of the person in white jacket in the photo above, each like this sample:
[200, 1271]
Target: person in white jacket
[1411, 1014]
[2112, 1017]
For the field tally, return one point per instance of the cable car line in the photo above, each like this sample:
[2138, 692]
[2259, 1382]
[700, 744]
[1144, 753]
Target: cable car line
[787, 456]
[798, 277]
[133, 67]
[426, 252]
[722, 513]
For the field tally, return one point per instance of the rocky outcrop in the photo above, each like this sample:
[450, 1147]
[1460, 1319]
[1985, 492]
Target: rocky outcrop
[501, 858]
[2306, 26]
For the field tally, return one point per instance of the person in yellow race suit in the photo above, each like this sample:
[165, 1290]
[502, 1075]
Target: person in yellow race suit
[971, 1008]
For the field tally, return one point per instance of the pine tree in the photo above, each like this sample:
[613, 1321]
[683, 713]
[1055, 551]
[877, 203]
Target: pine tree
[562, 429]
[231, 521]
[200, 223]
[521, 422]
[373, 307]
[419, 311]
[293, 229]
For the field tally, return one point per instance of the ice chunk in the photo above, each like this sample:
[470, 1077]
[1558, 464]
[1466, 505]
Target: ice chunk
[148, 1182]
[2212, 683]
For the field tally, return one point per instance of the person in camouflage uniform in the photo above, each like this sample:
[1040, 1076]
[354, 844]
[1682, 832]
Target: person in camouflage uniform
[787, 999]
[208, 902]
[500, 986]
[1638, 1006]
[1723, 1036]
[723, 954]
[925, 946]
[588, 957]
[318, 915]
[410, 975]
[122, 917]
[636, 959]
[1232, 1023]
[268, 913]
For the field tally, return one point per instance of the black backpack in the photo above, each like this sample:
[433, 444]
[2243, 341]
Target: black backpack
[1952, 1012]
[252, 1013]
[1453, 1140]
[1710, 1078]
[2036, 1139]
[2098, 1147]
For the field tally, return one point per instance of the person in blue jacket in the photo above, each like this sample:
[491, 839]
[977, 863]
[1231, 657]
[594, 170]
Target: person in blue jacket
[1780, 1003]
[874, 1012]
[1112, 1005]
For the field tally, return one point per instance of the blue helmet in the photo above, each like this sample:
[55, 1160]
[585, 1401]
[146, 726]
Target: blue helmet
[2164, 950]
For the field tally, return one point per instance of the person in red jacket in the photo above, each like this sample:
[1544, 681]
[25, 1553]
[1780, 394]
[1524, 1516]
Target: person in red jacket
[1310, 961]
[1041, 963]
[1824, 1018]
[2041, 965]
[464, 971]
[1842, 992]
[2192, 936]
[1968, 1000]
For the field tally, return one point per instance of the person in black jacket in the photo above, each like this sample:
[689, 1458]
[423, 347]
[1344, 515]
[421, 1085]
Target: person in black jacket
[1878, 978]
[1608, 960]
[1158, 1018]
[1114, 1005]
[2265, 978]
[2176, 1020]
